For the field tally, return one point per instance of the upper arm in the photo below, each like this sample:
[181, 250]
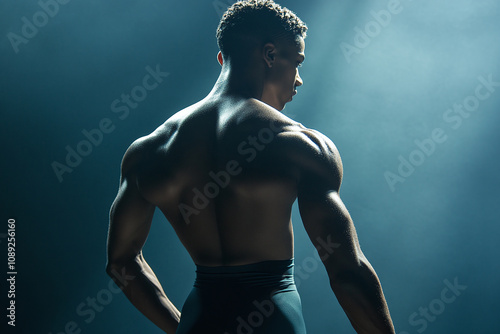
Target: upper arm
[130, 214]
[323, 213]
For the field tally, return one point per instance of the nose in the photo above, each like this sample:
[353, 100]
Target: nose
[298, 80]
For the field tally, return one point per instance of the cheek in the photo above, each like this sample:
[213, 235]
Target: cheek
[284, 76]
[288, 74]
[280, 72]
[292, 76]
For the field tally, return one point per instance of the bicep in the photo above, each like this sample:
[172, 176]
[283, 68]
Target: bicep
[323, 213]
[130, 222]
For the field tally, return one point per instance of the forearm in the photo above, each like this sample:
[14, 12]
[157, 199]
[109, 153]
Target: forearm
[144, 290]
[359, 292]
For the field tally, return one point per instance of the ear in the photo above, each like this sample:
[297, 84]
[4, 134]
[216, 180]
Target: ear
[269, 54]
[219, 58]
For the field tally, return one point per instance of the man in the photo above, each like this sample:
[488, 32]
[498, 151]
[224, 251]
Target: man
[225, 173]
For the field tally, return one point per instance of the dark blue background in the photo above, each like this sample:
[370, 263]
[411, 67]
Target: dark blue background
[440, 224]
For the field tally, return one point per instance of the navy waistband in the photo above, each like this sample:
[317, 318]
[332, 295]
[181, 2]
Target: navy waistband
[275, 273]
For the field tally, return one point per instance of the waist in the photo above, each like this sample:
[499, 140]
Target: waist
[272, 274]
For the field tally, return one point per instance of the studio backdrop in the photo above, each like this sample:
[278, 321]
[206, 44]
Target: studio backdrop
[408, 90]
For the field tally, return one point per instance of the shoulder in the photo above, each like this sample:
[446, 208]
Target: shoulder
[310, 140]
[144, 148]
[316, 155]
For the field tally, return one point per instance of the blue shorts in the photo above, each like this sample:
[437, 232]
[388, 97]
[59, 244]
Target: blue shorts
[258, 298]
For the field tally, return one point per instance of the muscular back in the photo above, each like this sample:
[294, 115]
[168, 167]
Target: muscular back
[225, 175]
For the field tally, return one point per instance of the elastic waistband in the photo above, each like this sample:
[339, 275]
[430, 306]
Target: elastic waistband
[273, 273]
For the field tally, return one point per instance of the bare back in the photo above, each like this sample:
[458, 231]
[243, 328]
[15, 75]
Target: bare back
[220, 173]
[226, 175]
[225, 172]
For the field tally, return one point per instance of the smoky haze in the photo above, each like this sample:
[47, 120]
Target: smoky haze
[409, 91]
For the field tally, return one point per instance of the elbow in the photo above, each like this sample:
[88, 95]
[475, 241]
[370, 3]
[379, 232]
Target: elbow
[113, 267]
[110, 268]
[116, 266]
[351, 272]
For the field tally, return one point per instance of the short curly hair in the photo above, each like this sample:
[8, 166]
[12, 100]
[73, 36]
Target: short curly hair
[246, 23]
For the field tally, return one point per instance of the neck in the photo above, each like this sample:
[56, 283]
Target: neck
[241, 81]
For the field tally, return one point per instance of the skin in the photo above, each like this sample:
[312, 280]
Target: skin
[249, 218]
